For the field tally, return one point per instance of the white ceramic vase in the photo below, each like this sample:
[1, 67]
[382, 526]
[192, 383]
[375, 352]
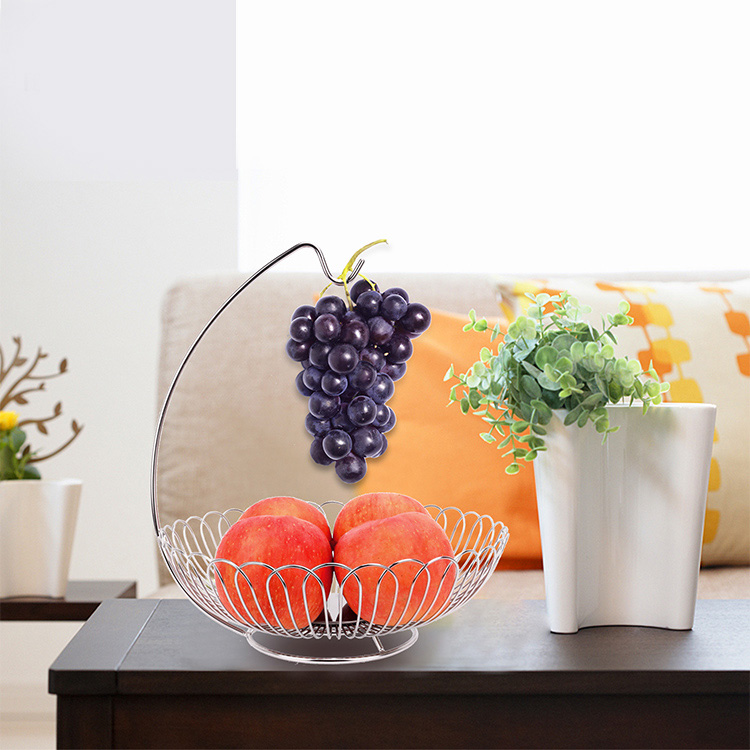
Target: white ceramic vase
[37, 526]
[622, 522]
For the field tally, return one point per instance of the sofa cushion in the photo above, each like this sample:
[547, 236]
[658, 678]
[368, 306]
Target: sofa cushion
[435, 453]
[697, 334]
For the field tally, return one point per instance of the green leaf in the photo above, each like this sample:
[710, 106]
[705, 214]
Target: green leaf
[543, 411]
[652, 388]
[513, 468]
[519, 427]
[31, 472]
[567, 381]
[474, 399]
[484, 354]
[7, 463]
[449, 374]
[523, 349]
[487, 437]
[572, 416]
[615, 392]
[531, 387]
[592, 401]
[638, 388]
[547, 384]
[535, 371]
[576, 351]
[563, 342]
[17, 438]
[545, 355]
[564, 364]
[464, 405]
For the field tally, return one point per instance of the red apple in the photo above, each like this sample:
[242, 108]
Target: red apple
[284, 505]
[270, 542]
[371, 507]
[414, 590]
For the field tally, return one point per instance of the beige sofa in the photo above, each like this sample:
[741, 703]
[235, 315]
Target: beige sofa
[233, 423]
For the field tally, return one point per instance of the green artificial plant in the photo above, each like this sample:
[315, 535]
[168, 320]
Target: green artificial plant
[550, 359]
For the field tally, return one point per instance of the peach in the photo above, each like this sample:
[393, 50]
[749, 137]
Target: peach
[371, 507]
[413, 590]
[262, 543]
[283, 505]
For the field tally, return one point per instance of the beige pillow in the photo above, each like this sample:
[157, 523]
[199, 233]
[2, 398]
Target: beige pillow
[697, 334]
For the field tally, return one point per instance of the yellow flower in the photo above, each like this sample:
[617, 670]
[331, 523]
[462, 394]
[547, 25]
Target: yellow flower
[8, 420]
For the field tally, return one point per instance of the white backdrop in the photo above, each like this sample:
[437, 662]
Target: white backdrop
[507, 136]
[118, 178]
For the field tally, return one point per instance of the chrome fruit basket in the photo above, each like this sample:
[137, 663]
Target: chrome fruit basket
[263, 612]
[189, 548]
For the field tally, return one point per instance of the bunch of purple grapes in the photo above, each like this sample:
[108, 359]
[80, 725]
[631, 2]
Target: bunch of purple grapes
[350, 360]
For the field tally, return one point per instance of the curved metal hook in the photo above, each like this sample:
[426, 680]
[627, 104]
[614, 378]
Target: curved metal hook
[338, 282]
[243, 286]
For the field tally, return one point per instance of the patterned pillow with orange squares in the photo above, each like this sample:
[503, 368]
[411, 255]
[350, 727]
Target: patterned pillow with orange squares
[697, 335]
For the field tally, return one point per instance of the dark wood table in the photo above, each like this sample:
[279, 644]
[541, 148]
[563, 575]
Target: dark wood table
[160, 673]
[79, 603]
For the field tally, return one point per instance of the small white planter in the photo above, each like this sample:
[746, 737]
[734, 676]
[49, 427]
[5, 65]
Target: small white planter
[622, 522]
[37, 526]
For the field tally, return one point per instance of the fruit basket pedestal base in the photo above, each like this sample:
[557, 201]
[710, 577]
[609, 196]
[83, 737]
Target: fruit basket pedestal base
[332, 650]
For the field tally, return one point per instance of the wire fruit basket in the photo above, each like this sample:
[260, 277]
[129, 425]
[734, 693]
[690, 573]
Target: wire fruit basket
[430, 590]
[321, 614]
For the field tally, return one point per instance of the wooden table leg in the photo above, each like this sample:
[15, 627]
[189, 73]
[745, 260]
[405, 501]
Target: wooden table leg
[84, 721]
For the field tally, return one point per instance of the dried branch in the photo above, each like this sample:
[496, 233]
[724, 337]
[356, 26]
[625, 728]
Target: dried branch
[19, 397]
[18, 361]
[76, 431]
[40, 423]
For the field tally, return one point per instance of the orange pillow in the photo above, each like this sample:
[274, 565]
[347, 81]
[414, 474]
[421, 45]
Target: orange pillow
[435, 453]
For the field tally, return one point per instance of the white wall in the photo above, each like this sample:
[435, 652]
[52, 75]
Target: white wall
[496, 135]
[118, 178]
